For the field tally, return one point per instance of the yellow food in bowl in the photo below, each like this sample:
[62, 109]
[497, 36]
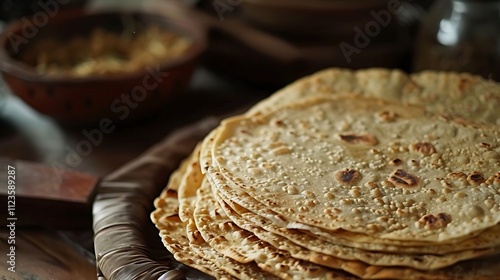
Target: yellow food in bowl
[105, 52]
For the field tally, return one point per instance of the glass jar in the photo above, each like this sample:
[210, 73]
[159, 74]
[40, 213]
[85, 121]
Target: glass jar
[3, 88]
[461, 35]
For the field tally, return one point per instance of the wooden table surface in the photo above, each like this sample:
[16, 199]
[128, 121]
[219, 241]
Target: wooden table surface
[45, 253]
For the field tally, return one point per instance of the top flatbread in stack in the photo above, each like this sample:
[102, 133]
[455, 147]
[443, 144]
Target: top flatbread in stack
[319, 180]
[398, 179]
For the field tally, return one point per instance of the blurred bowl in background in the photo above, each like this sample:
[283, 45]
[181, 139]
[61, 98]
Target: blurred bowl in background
[304, 37]
[87, 99]
[321, 34]
[312, 18]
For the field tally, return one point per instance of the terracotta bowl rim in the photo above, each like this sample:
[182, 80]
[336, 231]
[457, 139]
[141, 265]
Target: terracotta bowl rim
[20, 70]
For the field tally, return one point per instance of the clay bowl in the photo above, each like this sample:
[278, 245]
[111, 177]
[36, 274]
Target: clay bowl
[96, 98]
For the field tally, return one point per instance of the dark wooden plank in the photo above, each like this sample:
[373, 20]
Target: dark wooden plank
[44, 195]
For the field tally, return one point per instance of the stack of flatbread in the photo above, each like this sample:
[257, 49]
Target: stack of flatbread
[368, 174]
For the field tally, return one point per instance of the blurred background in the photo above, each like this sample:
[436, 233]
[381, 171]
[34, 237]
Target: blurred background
[274, 42]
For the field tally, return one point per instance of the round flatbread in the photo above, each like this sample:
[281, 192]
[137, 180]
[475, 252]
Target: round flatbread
[338, 163]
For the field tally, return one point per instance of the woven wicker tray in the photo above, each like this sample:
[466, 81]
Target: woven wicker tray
[127, 245]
